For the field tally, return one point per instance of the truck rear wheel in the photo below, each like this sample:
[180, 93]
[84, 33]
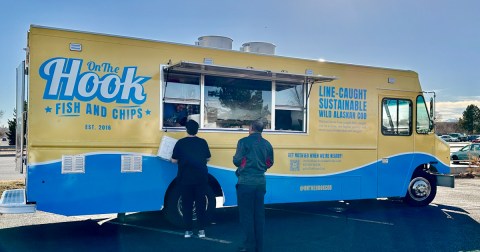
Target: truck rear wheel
[173, 206]
[421, 190]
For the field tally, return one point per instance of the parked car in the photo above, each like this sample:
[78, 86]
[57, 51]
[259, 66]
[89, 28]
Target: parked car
[477, 140]
[466, 153]
[449, 138]
[4, 139]
[472, 137]
[461, 136]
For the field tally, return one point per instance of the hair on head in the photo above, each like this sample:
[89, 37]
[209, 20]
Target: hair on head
[257, 126]
[192, 127]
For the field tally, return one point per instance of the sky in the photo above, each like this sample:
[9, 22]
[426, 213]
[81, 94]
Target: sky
[440, 40]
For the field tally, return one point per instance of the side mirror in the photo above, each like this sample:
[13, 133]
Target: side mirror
[432, 114]
[431, 108]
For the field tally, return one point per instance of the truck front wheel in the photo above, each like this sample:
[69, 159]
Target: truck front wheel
[421, 190]
[173, 206]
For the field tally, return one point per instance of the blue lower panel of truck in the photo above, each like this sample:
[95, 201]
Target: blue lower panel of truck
[103, 188]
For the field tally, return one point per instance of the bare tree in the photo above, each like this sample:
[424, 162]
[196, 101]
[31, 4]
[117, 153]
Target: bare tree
[3, 130]
[444, 128]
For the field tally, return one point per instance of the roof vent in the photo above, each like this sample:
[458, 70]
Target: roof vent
[219, 42]
[258, 47]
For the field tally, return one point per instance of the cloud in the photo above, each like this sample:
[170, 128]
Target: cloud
[453, 110]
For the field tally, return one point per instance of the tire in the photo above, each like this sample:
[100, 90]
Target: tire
[173, 206]
[421, 189]
[455, 160]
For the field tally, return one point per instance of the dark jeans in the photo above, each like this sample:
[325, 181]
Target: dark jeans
[252, 214]
[191, 193]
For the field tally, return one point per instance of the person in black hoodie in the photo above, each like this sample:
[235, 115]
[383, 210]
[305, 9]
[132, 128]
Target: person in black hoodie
[254, 155]
[192, 154]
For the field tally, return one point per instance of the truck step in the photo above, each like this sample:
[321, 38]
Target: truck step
[13, 201]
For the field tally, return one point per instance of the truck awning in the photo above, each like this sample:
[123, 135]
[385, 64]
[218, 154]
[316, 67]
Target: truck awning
[248, 73]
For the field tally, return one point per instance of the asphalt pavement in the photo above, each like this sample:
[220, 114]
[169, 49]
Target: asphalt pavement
[450, 223]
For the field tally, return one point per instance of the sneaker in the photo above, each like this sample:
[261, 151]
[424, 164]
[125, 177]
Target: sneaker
[201, 233]
[188, 234]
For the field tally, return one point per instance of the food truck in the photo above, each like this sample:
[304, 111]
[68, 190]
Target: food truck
[104, 112]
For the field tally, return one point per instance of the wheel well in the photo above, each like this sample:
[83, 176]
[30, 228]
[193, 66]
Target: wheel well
[169, 189]
[217, 189]
[428, 168]
[212, 182]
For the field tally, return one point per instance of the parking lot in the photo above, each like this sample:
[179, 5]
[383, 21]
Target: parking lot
[450, 223]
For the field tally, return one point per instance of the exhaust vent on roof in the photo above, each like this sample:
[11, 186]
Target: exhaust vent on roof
[258, 47]
[219, 42]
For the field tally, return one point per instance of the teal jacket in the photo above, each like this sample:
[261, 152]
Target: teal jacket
[253, 157]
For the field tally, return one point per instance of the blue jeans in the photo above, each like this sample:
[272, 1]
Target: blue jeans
[251, 208]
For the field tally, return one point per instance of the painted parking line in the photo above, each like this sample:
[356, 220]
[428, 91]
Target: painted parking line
[332, 216]
[372, 221]
[167, 232]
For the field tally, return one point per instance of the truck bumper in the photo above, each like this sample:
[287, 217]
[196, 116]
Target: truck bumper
[445, 180]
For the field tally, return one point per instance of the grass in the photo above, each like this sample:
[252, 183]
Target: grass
[11, 184]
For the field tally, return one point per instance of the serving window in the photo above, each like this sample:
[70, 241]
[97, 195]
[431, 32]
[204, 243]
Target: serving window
[225, 98]
[289, 106]
[235, 103]
[181, 100]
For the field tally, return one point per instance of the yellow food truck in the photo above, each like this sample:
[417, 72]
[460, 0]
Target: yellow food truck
[101, 106]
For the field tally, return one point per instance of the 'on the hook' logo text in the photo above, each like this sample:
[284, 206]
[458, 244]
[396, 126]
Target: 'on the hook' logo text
[65, 82]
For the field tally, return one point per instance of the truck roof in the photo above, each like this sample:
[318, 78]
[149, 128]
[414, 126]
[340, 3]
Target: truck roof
[192, 45]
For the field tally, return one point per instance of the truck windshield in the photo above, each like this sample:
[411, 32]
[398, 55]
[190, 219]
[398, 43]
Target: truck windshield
[423, 119]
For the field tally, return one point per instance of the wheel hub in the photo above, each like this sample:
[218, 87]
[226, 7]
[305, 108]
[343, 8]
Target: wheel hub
[419, 189]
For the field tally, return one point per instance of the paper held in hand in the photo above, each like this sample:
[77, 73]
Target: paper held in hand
[166, 147]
